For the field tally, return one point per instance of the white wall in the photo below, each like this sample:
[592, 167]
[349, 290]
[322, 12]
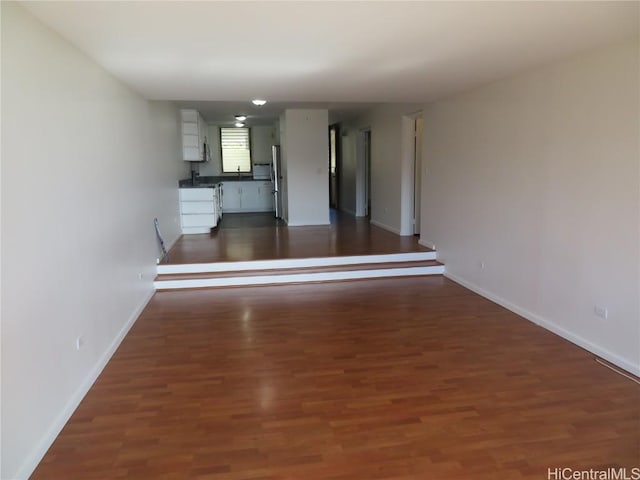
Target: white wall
[538, 177]
[306, 147]
[79, 194]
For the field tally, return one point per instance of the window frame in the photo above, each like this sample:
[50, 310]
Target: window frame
[235, 172]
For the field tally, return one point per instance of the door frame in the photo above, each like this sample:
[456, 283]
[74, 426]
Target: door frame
[335, 186]
[363, 172]
[409, 172]
[417, 173]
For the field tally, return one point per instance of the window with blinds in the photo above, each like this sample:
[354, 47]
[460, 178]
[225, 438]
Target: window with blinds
[236, 150]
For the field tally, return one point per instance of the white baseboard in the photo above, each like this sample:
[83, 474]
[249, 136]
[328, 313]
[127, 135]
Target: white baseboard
[240, 210]
[385, 227]
[315, 224]
[195, 230]
[427, 243]
[175, 240]
[549, 325]
[54, 430]
[170, 246]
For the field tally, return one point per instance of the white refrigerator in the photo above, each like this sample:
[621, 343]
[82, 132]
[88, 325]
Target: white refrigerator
[276, 179]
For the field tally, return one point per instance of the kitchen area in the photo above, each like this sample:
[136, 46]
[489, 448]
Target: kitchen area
[234, 169]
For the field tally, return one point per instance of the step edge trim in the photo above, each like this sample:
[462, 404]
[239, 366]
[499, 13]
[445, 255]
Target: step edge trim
[297, 278]
[293, 263]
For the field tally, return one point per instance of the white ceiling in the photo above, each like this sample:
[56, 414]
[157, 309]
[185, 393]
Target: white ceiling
[326, 53]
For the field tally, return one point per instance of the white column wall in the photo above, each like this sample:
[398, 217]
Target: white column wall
[305, 147]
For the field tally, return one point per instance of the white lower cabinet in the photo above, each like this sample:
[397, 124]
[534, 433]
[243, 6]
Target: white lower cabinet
[231, 192]
[265, 195]
[199, 209]
[249, 199]
[247, 196]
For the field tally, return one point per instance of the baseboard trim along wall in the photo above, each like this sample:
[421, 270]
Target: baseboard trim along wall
[298, 224]
[385, 227]
[168, 247]
[54, 430]
[428, 244]
[548, 325]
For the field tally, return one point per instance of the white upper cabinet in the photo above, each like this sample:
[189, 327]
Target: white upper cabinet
[195, 144]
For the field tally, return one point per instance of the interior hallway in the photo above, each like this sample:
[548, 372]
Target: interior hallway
[260, 236]
[384, 379]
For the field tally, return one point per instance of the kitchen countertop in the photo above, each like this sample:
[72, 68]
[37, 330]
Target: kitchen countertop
[209, 182]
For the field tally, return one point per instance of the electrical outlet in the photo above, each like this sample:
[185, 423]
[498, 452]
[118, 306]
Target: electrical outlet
[79, 342]
[601, 312]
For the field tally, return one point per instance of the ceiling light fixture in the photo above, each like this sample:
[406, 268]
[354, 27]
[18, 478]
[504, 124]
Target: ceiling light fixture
[239, 124]
[241, 118]
[258, 102]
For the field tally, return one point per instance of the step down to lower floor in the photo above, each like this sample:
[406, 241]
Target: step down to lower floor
[274, 272]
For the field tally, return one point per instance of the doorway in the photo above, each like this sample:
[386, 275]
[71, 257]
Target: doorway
[334, 166]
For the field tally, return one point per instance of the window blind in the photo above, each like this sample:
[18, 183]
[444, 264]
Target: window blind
[236, 149]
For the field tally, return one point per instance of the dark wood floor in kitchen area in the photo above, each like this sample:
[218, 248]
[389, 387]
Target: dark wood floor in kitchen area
[260, 236]
[412, 378]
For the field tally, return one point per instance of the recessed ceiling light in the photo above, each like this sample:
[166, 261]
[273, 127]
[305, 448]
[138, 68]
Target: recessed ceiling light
[258, 102]
[239, 124]
[241, 118]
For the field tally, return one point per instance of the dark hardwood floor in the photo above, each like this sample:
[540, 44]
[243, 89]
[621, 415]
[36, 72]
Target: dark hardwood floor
[413, 378]
[259, 236]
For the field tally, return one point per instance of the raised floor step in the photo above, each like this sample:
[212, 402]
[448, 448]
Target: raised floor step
[285, 263]
[240, 274]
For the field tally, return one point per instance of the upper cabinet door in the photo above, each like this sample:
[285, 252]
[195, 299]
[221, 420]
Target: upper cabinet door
[191, 154]
[189, 128]
[190, 116]
[194, 136]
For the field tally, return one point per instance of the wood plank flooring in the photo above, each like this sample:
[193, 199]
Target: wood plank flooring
[413, 378]
[259, 236]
